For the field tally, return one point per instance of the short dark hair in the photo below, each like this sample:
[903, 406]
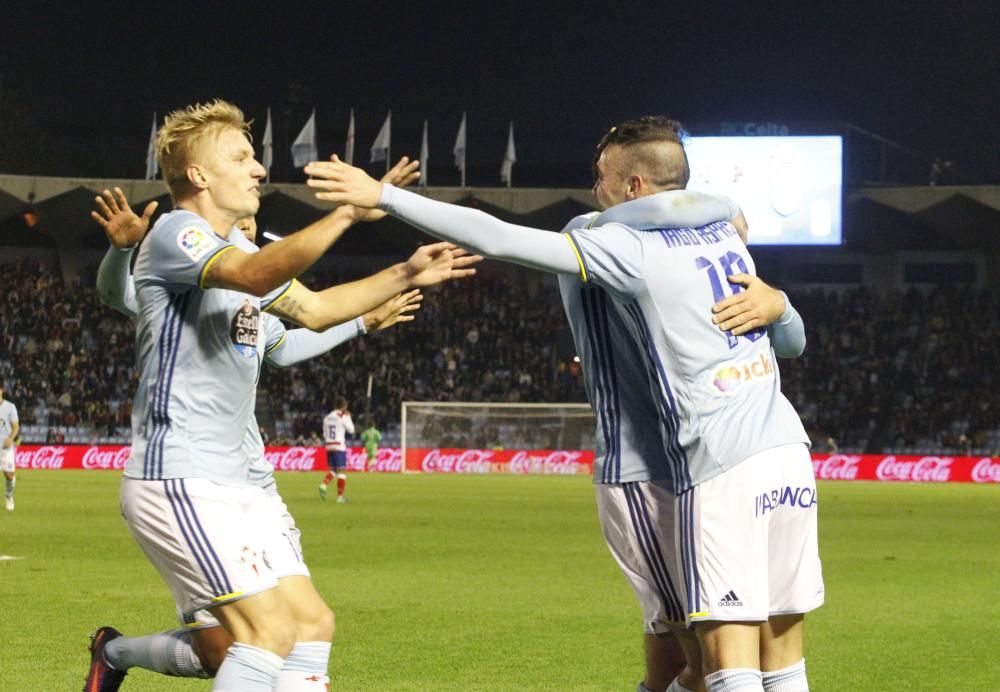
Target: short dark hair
[650, 129]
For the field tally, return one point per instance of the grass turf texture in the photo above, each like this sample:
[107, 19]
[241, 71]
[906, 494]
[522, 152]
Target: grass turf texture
[504, 583]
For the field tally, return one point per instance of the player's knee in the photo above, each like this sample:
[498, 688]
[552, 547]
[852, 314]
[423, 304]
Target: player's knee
[276, 635]
[280, 640]
[319, 626]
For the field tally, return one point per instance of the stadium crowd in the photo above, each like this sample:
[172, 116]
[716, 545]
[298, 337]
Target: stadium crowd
[901, 372]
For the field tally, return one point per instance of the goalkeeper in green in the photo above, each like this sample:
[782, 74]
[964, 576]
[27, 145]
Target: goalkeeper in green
[370, 437]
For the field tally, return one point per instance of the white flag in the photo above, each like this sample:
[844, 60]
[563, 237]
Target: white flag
[349, 146]
[424, 155]
[459, 148]
[509, 157]
[304, 146]
[380, 147]
[151, 166]
[267, 156]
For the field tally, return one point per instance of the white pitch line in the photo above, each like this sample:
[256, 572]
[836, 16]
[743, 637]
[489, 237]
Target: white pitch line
[9, 557]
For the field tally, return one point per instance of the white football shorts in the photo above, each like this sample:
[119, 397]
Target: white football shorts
[7, 459]
[285, 557]
[740, 547]
[211, 543]
[748, 539]
[639, 524]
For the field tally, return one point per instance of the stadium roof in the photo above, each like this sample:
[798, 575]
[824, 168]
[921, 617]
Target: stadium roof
[876, 219]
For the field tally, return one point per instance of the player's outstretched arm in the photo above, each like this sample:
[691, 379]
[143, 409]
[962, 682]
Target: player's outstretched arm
[124, 229]
[302, 344]
[429, 265]
[402, 174]
[261, 272]
[470, 228]
[399, 308]
[760, 305]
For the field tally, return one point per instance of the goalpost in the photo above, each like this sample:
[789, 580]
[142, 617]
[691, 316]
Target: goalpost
[495, 426]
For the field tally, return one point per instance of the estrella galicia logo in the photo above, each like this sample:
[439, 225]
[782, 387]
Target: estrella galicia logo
[243, 331]
[730, 600]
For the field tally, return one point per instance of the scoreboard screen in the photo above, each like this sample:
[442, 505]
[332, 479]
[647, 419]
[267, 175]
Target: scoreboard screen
[789, 188]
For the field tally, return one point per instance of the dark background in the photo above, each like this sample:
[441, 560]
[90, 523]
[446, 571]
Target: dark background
[80, 82]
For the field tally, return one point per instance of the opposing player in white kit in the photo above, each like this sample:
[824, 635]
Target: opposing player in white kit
[10, 426]
[198, 648]
[187, 494]
[718, 514]
[336, 424]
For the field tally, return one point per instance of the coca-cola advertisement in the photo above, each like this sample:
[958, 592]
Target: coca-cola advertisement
[890, 468]
[898, 468]
[538, 461]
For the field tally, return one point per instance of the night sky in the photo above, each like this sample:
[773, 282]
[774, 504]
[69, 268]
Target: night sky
[925, 78]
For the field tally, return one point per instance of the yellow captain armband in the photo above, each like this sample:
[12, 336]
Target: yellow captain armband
[277, 298]
[212, 260]
[579, 256]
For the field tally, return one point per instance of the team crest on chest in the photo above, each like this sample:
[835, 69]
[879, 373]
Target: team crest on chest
[243, 330]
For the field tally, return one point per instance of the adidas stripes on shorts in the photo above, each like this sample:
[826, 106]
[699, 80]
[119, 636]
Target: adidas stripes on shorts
[638, 521]
[739, 547]
[211, 543]
[285, 557]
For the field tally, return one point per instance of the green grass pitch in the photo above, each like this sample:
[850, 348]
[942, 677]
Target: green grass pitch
[504, 583]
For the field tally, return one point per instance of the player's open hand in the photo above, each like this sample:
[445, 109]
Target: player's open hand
[336, 181]
[404, 173]
[757, 306]
[399, 308]
[432, 264]
[123, 226]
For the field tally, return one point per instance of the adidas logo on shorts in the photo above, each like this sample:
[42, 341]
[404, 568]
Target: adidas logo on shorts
[730, 600]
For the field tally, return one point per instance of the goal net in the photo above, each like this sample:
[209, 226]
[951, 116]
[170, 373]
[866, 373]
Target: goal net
[438, 431]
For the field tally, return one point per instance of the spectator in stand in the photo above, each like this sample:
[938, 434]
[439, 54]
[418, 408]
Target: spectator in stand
[901, 372]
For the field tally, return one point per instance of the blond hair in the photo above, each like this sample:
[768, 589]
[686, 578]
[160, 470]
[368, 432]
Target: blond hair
[183, 129]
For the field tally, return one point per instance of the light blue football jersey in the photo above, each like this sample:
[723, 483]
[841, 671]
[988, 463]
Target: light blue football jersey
[628, 445]
[260, 472]
[199, 355]
[8, 416]
[715, 398]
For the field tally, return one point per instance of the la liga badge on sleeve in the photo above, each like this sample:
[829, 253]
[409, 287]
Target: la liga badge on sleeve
[196, 242]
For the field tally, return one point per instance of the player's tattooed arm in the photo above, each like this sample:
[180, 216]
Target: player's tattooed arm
[288, 307]
[319, 310]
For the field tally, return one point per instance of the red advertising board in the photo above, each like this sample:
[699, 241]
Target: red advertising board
[845, 467]
[540, 461]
